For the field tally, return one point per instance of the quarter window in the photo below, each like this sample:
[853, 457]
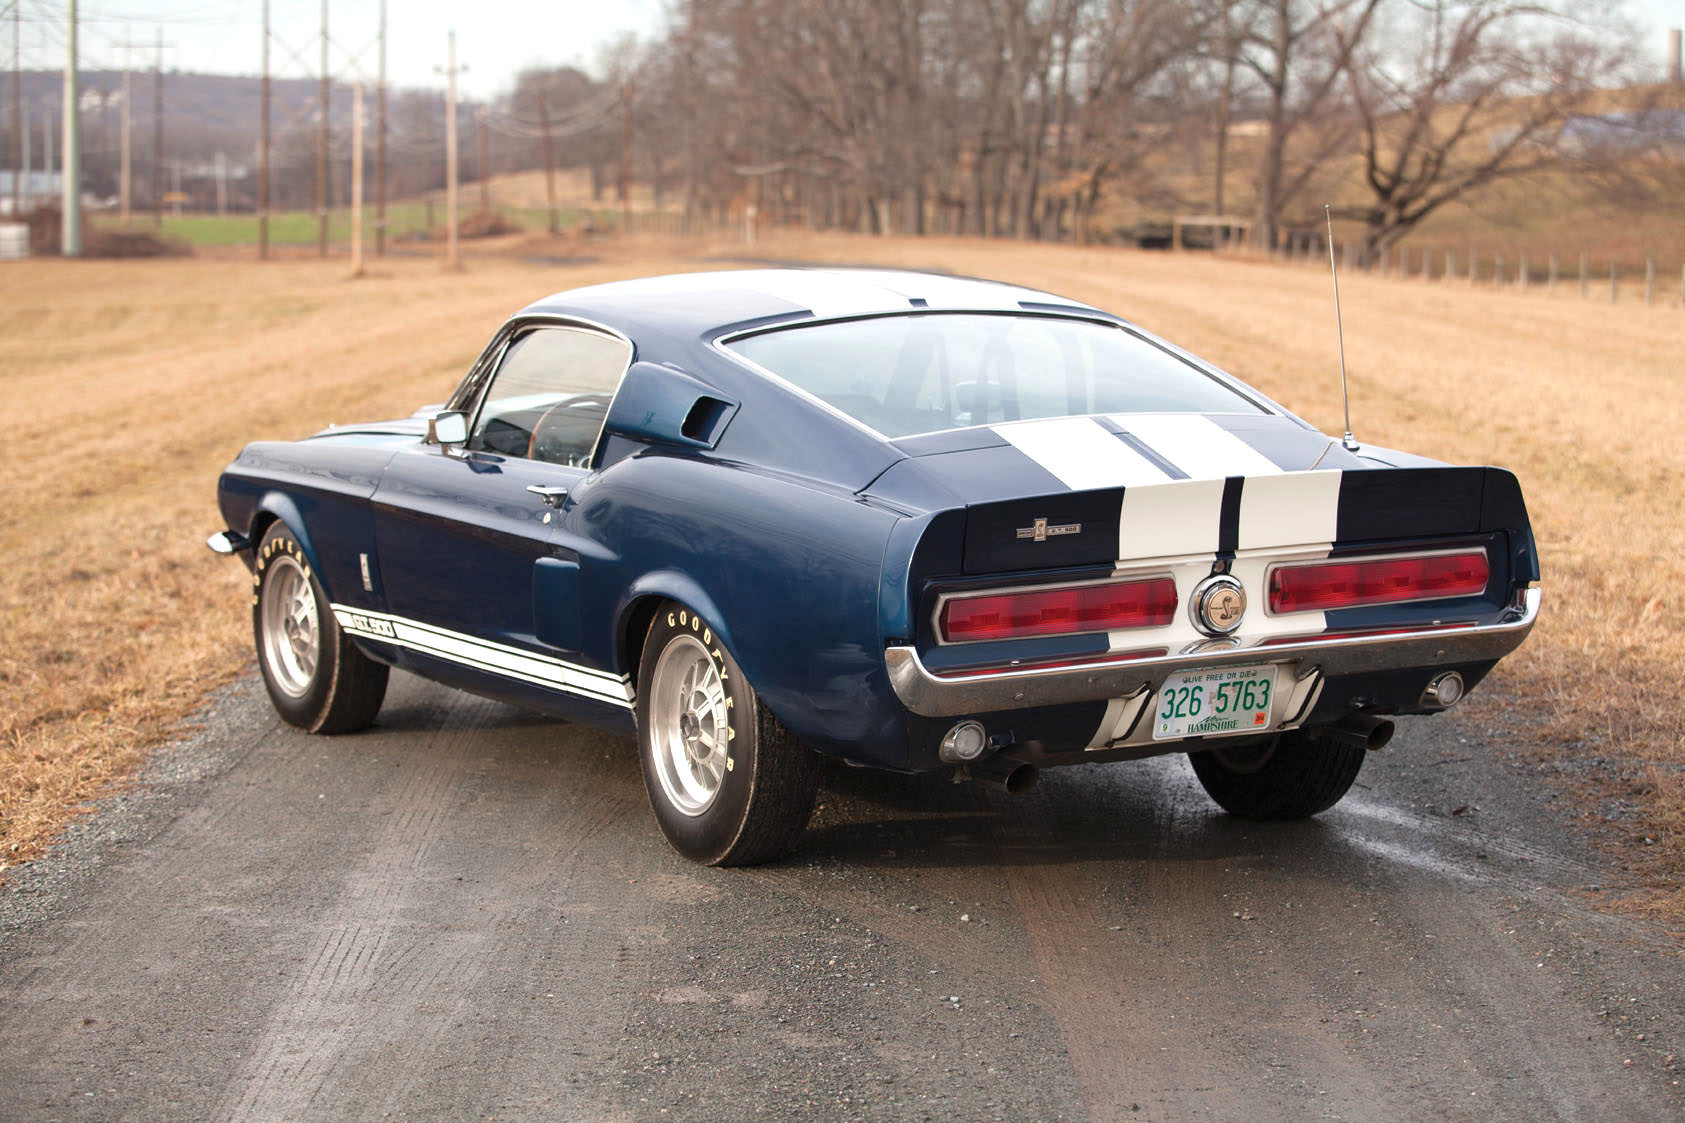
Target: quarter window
[550, 394]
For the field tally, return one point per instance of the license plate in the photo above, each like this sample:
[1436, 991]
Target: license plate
[1217, 702]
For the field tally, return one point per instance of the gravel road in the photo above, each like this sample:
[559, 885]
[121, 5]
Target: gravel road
[467, 912]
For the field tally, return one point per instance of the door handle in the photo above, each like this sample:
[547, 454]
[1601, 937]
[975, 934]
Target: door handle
[552, 496]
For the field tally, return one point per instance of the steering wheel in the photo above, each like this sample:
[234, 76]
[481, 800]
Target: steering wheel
[560, 429]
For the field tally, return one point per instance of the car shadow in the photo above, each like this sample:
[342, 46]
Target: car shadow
[1137, 811]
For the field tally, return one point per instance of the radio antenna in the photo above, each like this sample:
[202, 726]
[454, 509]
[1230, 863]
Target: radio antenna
[1349, 441]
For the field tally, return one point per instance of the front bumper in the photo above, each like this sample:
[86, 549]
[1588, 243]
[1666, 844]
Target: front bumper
[932, 695]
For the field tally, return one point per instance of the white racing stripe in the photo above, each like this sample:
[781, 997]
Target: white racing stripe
[1292, 509]
[1083, 454]
[483, 655]
[1179, 517]
[1197, 445]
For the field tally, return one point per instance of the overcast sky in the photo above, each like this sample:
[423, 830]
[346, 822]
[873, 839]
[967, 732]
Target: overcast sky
[494, 38]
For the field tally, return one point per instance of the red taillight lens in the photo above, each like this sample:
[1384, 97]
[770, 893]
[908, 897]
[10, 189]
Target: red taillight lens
[1328, 585]
[1057, 612]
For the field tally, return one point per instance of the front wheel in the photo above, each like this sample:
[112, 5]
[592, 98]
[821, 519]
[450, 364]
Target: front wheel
[1292, 776]
[317, 678]
[728, 784]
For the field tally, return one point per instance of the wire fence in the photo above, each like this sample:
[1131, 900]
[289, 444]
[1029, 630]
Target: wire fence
[1651, 281]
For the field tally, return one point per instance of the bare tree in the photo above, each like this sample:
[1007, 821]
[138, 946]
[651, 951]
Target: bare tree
[1460, 93]
[1298, 50]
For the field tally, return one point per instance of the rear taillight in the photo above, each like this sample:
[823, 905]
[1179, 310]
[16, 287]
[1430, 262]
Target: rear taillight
[1321, 586]
[1072, 609]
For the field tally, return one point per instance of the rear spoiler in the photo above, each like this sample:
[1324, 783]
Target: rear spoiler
[1222, 516]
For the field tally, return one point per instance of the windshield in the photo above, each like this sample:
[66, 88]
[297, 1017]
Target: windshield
[923, 373]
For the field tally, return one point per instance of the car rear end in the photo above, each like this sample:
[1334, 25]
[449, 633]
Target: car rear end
[1163, 617]
[1110, 549]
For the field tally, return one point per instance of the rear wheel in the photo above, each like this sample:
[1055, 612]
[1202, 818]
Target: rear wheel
[728, 784]
[1289, 777]
[316, 677]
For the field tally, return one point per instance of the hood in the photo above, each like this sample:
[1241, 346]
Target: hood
[401, 427]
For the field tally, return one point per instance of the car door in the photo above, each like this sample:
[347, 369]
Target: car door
[461, 531]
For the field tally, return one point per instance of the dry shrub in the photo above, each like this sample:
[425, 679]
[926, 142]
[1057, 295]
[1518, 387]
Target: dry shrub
[46, 225]
[46, 228]
[104, 242]
[487, 224]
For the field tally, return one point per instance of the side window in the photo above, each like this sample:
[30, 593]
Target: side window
[550, 394]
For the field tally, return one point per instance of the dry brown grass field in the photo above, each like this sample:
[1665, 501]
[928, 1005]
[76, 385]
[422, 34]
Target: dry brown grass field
[133, 383]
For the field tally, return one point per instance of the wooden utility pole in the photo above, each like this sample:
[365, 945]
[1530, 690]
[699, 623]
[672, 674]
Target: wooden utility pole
[263, 148]
[71, 221]
[625, 158]
[484, 168]
[125, 175]
[1225, 97]
[380, 145]
[357, 181]
[126, 167]
[549, 162]
[322, 146]
[20, 162]
[452, 261]
[158, 134]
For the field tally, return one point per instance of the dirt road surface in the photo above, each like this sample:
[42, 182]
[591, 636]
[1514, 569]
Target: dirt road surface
[467, 913]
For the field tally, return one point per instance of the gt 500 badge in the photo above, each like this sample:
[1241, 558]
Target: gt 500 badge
[357, 622]
[1041, 532]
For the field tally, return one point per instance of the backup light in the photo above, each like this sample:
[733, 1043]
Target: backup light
[1444, 691]
[1321, 586]
[1066, 610]
[965, 742]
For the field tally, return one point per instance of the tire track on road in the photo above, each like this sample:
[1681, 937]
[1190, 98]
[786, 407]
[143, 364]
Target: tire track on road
[307, 1033]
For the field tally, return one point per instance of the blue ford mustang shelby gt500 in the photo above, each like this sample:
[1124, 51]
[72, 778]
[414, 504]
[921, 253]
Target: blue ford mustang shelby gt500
[912, 521]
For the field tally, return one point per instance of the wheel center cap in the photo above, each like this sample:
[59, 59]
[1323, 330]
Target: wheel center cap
[690, 728]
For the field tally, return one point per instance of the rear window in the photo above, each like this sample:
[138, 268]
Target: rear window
[924, 373]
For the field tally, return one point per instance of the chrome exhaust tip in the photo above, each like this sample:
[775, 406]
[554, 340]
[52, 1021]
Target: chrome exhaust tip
[1360, 731]
[1011, 776]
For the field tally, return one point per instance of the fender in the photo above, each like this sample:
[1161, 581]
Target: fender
[282, 506]
[667, 584]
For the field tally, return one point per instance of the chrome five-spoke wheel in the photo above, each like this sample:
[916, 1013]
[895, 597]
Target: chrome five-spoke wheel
[689, 724]
[728, 784]
[315, 675]
[292, 634]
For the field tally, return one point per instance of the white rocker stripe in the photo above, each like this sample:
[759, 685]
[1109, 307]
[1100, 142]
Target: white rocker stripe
[1081, 453]
[1197, 445]
[483, 655]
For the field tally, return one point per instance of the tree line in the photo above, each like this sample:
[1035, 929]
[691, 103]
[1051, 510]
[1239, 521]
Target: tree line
[1026, 118]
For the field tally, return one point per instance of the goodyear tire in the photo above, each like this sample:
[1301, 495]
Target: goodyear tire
[316, 677]
[1290, 777]
[728, 784]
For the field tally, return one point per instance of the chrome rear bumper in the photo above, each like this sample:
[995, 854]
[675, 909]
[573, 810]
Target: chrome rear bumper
[932, 695]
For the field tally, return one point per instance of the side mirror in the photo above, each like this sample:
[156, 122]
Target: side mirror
[447, 428]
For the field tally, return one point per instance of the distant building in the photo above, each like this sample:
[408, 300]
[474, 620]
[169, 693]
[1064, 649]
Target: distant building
[1660, 130]
[38, 188]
